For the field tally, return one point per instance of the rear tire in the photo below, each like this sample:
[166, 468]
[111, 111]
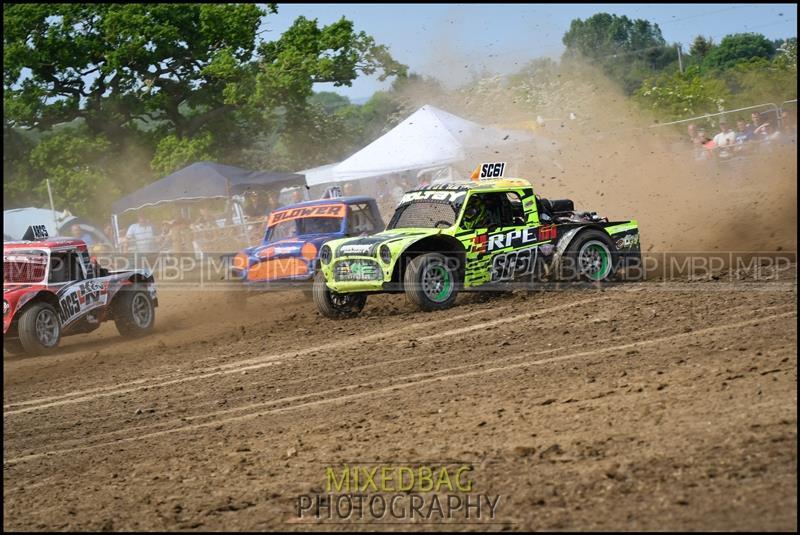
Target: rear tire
[591, 256]
[431, 282]
[333, 305]
[134, 313]
[39, 329]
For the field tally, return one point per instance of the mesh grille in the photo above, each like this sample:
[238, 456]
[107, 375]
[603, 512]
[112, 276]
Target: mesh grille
[424, 215]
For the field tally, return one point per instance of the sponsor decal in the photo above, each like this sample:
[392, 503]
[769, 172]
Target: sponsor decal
[628, 241]
[547, 232]
[355, 249]
[512, 238]
[433, 195]
[479, 243]
[81, 298]
[507, 266]
[322, 210]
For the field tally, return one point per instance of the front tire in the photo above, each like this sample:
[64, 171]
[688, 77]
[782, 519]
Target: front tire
[431, 282]
[39, 329]
[333, 305]
[134, 313]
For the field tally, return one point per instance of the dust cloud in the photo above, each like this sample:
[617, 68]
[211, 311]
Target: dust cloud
[601, 150]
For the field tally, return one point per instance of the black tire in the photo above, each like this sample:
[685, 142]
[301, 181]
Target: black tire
[39, 329]
[591, 256]
[333, 305]
[431, 282]
[134, 313]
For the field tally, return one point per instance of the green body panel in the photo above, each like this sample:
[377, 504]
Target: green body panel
[480, 257]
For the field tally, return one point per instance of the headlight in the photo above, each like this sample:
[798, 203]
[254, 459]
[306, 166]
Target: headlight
[6, 307]
[385, 253]
[325, 254]
[309, 251]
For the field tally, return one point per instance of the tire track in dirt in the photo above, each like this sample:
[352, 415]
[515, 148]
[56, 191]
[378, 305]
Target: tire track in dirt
[321, 380]
[177, 407]
[263, 361]
[405, 382]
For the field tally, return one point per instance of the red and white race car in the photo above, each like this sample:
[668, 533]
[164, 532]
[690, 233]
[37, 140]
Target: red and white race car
[51, 288]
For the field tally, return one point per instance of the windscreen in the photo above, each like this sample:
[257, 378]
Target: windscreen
[300, 220]
[428, 209]
[303, 226]
[25, 267]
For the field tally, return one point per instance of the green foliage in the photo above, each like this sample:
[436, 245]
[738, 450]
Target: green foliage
[329, 101]
[173, 152]
[73, 160]
[701, 47]
[113, 63]
[738, 47]
[169, 84]
[627, 50]
[673, 95]
[787, 55]
[306, 54]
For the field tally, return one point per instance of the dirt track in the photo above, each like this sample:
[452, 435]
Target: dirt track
[642, 406]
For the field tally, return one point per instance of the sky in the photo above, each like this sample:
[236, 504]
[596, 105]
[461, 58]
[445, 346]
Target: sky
[453, 41]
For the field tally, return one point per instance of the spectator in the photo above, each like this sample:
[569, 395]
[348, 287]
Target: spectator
[78, 232]
[742, 134]
[255, 205]
[755, 121]
[180, 237]
[765, 132]
[297, 196]
[705, 146]
[692, 131]
[272, 203]
[725, 140]
[141, 235]
[163, 236]
[788, 127]
[397, 192]
[348, 190]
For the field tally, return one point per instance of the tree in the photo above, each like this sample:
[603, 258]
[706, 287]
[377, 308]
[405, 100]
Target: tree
[170, 83]
[627, 50]
[72, 160]
[110, 64]
[739, 47]
[329, 101]
[701, 47]
[306, 55]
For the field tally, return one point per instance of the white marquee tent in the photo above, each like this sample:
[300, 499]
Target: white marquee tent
[429, 138]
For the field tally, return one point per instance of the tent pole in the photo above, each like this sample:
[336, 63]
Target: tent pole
[115, 231]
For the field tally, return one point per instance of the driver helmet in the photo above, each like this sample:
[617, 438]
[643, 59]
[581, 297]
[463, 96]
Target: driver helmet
[473, 213]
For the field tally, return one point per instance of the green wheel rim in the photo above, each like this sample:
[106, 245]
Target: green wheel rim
[594, 261]
[441, 296]
[437, 283]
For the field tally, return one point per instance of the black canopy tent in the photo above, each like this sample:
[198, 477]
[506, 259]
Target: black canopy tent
[201, 180]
